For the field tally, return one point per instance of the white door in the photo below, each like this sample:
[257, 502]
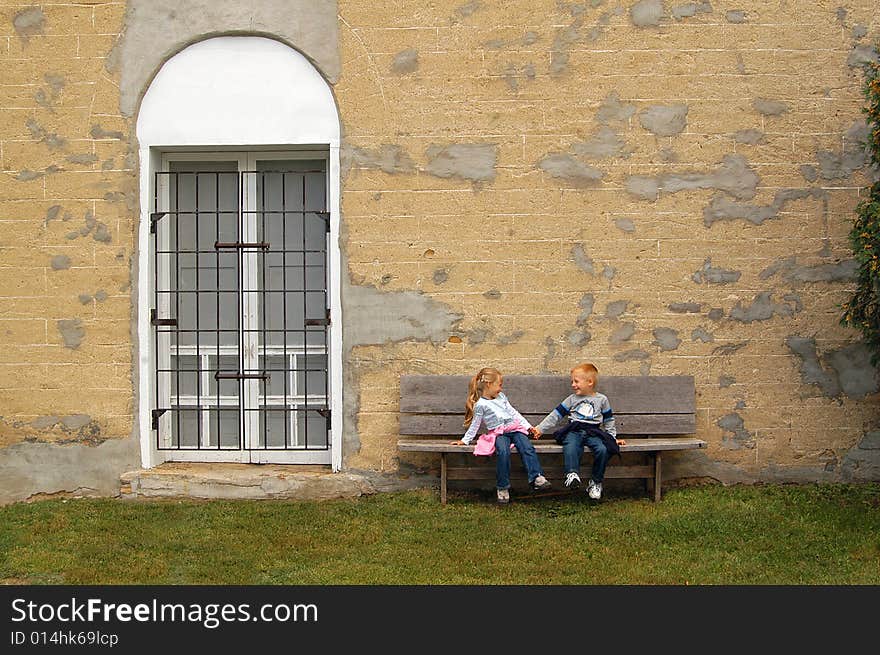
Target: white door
[241, 311]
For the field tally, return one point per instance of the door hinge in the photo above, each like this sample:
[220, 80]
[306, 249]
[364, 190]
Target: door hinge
[156, 413]
[172, 322]
[318, 321]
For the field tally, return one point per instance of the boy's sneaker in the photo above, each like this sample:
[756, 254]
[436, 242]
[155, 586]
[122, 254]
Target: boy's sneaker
[572, 480]
[541, 483]
[503, 496]
[594, 490]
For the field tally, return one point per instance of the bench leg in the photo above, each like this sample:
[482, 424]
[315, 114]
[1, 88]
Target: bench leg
[442, 478]
[656, 477]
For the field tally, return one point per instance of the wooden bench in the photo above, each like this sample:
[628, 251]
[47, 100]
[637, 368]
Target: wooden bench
[654, 414]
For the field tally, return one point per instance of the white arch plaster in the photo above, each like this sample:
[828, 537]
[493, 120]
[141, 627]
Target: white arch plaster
[244, 93]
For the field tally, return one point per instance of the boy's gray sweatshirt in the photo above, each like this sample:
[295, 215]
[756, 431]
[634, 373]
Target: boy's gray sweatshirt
[593, 410]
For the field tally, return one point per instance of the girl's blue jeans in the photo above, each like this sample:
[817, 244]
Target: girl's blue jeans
[573, 450]
[526, 451]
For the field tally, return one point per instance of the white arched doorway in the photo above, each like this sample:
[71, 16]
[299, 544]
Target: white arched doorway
[239, 323]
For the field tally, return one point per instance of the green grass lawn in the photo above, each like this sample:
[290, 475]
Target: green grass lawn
[711, 535]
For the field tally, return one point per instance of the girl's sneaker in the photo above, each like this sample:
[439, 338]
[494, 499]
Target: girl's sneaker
[503, 496]
[540, 483]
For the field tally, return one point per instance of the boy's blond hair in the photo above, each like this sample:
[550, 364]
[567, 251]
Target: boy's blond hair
[586, 367]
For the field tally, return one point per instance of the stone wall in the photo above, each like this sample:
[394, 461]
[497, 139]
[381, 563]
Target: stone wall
[657, 187]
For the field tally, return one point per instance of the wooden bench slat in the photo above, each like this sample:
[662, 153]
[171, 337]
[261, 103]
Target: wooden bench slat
[451, 425]
[553, 473]
[539, 394]
[550, 446]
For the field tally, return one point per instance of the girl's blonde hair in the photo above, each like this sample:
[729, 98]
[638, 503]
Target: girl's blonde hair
[475, 390]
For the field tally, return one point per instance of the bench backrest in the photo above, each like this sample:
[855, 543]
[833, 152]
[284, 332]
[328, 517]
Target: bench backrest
[433, 405]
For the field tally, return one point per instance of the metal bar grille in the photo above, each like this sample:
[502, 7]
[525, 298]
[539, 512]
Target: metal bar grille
[240, 313]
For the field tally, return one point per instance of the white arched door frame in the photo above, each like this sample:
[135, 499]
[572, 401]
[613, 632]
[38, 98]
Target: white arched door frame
[229, 94]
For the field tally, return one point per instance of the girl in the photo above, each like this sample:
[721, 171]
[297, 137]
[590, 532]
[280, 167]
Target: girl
[486, 403]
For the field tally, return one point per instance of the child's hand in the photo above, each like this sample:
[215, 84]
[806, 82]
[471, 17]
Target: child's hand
[535, 433]
[620, 442]
[458, 443]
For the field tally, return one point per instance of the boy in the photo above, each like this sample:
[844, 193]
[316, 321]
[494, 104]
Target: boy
[591, 423]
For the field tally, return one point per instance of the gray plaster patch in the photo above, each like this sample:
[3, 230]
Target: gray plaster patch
[859, 32]
[733, 176]
[612, 109]
[625, 224]
[38, 132]
[736, 16]
[492, 294]
[513, 337]
[644, 187]
[852, 156]
[844, 371]
[60, 262]
[29, 22]
[373, 317]
[474, 162]
[769, 107]
[582, 259]
[762, 309]
[405, 62]
[44, 422]
[155, 30]
[664, 120]
[729, 349]
[477, 336]
[724, 209]
[666, 338]
[691, 9]
[85, 298]
[685, 307]
[52, 213]
[631, 355]
[72, 332]
[862, 463]
[389, 158]
[715, 275]
[702, 335]
[715, 314]
[441, 275]
[568, 168]
[75, 421]
[863, 55]
[843, 271]
[586, 306]
[809, 173]
[80, 469]
[605, 144]
[646, 13]
[574, 33]
[841, 13]
[616, 309]
[98, 132]
[725, 381]
[468, 9]
[578, 338]
[667, 155]
[84, 158]
[622, 333]
[738, 436]
[609, 272]
[750, 136]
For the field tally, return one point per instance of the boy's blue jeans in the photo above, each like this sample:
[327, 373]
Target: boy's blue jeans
[573, 450]
[526, 451]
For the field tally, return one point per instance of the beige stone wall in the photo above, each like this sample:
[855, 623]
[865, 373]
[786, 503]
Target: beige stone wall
[596, 226]
[67, 216]
[657, 187]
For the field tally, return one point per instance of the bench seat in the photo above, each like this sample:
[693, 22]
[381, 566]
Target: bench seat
[654, 414]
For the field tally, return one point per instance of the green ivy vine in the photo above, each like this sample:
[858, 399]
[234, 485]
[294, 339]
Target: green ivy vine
[862, 310]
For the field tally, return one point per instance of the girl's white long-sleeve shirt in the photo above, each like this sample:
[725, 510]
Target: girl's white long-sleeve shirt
[494, 412]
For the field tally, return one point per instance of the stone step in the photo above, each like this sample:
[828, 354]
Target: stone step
[243, 482]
